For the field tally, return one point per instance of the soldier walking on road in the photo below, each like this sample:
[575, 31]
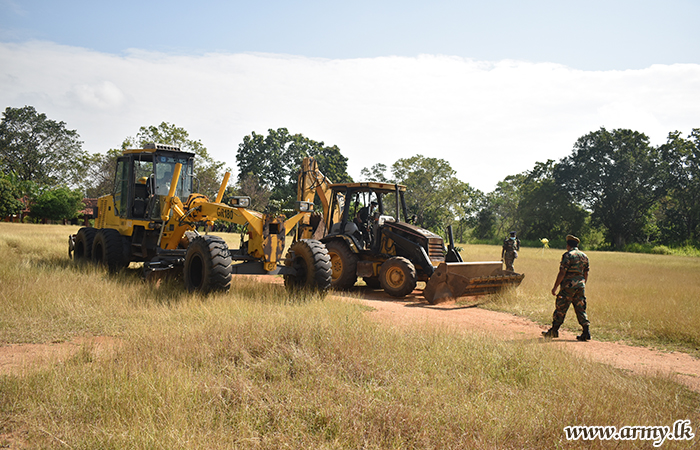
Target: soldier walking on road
[511, 245]
[571, 281]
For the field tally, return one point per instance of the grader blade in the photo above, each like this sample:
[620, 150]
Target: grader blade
[463, 279]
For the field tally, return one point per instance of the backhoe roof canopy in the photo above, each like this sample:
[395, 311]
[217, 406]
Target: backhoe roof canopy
[370, 185]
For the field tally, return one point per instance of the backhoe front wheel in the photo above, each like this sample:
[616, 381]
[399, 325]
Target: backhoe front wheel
[397, 276]
[207, 265]
[311, 264]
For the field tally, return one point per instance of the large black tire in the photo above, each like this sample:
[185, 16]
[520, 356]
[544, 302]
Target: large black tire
[83, 244]
[207, 265]
[397, 276]
[309, 258]
[343, 265]
[108, 249]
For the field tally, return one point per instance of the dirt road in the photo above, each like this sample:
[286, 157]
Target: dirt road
[413, 310]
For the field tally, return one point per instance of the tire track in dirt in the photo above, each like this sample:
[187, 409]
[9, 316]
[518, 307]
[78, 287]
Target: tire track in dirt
[414, 311]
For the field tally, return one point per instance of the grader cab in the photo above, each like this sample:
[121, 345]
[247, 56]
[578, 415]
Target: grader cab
[145, 220]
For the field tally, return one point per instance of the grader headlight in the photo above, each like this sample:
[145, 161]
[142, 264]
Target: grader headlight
[240, 202]
[302, 206]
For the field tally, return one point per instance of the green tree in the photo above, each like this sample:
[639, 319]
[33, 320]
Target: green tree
[207, 171]
[616, 175]
[544, 209]
[679, 211]
[100, 174]
[39, 149]
[275, 160]
[375, 173]
[9, 195]
[57, 204]
[434, 194]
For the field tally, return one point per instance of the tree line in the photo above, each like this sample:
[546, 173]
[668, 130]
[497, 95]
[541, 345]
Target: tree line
[614, 189]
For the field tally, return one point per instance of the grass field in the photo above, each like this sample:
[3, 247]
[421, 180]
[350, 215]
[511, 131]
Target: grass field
[259, 368]
[642, 299]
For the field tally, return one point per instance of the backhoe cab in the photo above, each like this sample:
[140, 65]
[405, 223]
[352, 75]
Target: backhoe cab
[145, 220]
[362, 229]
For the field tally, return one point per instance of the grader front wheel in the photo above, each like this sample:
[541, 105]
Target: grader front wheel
[311, 266]
[207, 265]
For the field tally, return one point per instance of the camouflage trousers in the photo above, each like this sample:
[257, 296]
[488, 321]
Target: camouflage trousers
[566, 297]
[509, 258]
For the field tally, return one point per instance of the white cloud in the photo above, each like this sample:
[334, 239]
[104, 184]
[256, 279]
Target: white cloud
[488, 119]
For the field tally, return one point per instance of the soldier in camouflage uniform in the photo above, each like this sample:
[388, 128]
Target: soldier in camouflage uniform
[571, 281]
[511, 245]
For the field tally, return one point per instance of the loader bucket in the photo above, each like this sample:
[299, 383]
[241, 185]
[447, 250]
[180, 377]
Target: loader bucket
[452, 280]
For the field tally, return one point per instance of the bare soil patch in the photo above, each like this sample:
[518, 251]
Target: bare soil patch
[18, 358]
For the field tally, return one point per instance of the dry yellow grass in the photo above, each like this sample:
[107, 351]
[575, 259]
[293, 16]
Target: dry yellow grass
[639, 298]
[258, 368]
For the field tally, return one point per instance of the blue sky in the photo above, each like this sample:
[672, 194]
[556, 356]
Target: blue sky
[492, 87]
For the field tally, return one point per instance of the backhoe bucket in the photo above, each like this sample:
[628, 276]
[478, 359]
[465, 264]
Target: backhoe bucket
[463, 279]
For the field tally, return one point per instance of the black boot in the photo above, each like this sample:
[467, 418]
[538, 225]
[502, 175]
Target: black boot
[585, 336]
[551, 333]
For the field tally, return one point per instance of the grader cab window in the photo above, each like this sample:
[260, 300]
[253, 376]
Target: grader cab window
[165, 167]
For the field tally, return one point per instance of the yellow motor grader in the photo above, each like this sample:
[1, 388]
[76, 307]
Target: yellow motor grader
[145, 220]
[362, 229]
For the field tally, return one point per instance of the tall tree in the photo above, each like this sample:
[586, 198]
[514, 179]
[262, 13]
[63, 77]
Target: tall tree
[100, 179]
[275, 159]
[38, 149]
[207, 171]
[544, 209]
[680, 210]
[616, 175]
[434, 194]
[9, 195]
[375, 173]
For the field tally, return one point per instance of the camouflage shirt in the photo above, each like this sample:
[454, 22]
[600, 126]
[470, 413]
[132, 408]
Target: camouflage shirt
[576, 264]
[511, 244]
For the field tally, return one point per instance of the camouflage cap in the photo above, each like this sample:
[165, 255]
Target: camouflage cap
[571, 237]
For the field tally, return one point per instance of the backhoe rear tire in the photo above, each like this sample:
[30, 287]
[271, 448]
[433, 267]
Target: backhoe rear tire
[343, 265]
[83, 244]
[312, 264]
[397, 276]
[207, 265]
[108, 249]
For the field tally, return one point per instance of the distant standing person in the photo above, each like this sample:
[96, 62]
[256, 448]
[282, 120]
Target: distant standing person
[571, 281]
[511, 245]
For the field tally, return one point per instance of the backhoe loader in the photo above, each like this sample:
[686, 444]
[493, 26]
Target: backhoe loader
[145, 220]
[362, 229]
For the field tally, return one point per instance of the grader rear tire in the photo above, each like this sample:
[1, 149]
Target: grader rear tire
[207, 265]
[108, 249]
[310, 259]
[83, 244]
[343, 265]
[398, 276]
